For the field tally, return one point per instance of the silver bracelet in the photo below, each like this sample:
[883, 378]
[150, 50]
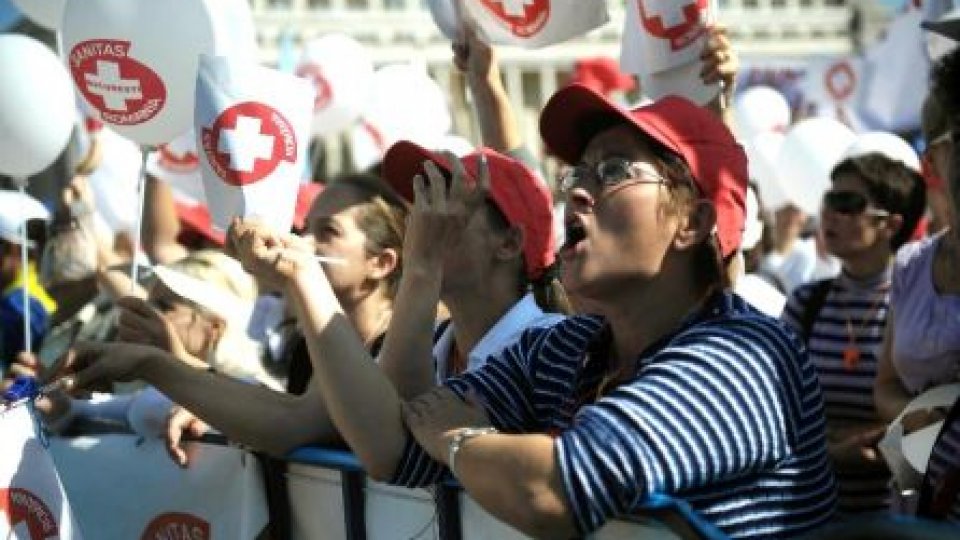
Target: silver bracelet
[460, 439]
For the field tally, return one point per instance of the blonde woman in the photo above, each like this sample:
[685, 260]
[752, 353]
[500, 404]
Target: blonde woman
[197, 310]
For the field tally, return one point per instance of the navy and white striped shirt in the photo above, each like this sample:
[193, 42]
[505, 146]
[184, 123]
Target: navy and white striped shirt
[726, 414]
[860, 307]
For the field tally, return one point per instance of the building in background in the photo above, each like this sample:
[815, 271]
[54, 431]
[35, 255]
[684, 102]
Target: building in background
[402, 30]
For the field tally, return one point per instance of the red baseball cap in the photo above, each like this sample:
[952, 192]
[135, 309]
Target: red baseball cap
[306, 194]
[575, 114]
[518, 193]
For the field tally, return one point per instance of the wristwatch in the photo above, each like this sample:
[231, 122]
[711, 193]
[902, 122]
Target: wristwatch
[459, 439]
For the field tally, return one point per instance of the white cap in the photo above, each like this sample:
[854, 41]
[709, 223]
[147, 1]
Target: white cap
[227, 306]
[16, 209]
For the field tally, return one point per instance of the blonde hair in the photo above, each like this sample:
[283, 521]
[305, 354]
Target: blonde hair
[235, 353]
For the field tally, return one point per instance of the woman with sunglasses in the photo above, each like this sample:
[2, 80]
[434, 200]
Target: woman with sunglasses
[674, 395]
[872, 209]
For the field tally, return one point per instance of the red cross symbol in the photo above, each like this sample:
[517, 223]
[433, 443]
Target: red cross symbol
[840, 80]
[247, 142]
[523, 18]
[124, 91]
[177, 525]
[680, 23]
[111, 87]
[25, 512]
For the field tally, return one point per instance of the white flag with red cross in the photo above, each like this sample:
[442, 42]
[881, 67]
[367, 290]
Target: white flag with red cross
[662, 43]
[177, 163]
[535, 23]
[835, 87]
[253, 129]
[33, 504]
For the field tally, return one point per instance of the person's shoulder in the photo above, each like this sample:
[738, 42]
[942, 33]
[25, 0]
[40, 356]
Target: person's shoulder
[912, 252]
[574, 331]
[739, 323]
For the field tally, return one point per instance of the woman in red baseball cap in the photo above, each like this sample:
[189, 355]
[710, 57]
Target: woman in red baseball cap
[673, 394]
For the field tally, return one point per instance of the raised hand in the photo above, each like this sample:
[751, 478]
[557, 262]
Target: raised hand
[140, 323]
[272, 258]
[720, 61]
[440, 214]
[100, 364]
[474, 56]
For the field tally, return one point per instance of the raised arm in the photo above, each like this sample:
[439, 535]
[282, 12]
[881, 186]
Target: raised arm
[160, 223]
[721, 64]
[271, 421]
[478, 62]
[434, 228]
[361, 401]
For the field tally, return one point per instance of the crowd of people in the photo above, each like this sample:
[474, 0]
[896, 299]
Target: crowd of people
[563, 386]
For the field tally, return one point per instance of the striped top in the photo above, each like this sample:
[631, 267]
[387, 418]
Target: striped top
[725, 414]
[857, 307]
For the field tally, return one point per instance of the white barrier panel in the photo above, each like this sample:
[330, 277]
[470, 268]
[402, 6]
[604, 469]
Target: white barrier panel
[320, 508]
[32, 500]
[125, 488]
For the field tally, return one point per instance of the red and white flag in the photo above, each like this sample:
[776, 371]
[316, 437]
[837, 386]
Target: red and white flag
[253, 129]
[33, 504]
[836, 86]
[662, 43]
[535, 23]
[178, 164]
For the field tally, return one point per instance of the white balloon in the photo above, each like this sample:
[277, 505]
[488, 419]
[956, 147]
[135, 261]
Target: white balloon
[444, 13]
[135, 61]
[342, 73]
[46, 13]
[885, 143]
[37, 111]
[762, 151]
[810, 151]
[760, 109]
[407, 104]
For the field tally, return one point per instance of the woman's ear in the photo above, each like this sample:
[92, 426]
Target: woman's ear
[699, 223]
[510, 244]
[383, 264]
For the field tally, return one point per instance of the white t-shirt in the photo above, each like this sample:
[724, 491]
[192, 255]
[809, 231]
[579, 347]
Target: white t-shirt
[524, 314]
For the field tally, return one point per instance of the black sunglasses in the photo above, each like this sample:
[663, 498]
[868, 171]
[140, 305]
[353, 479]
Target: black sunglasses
[850, 203]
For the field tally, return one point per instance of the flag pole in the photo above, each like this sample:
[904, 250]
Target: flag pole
[138, 223]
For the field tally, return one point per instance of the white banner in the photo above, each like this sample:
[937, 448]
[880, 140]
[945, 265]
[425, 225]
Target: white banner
[253, 129]
[535, 23]
[898, 68]
[127, 488]
[33, 505]
[662, 42]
